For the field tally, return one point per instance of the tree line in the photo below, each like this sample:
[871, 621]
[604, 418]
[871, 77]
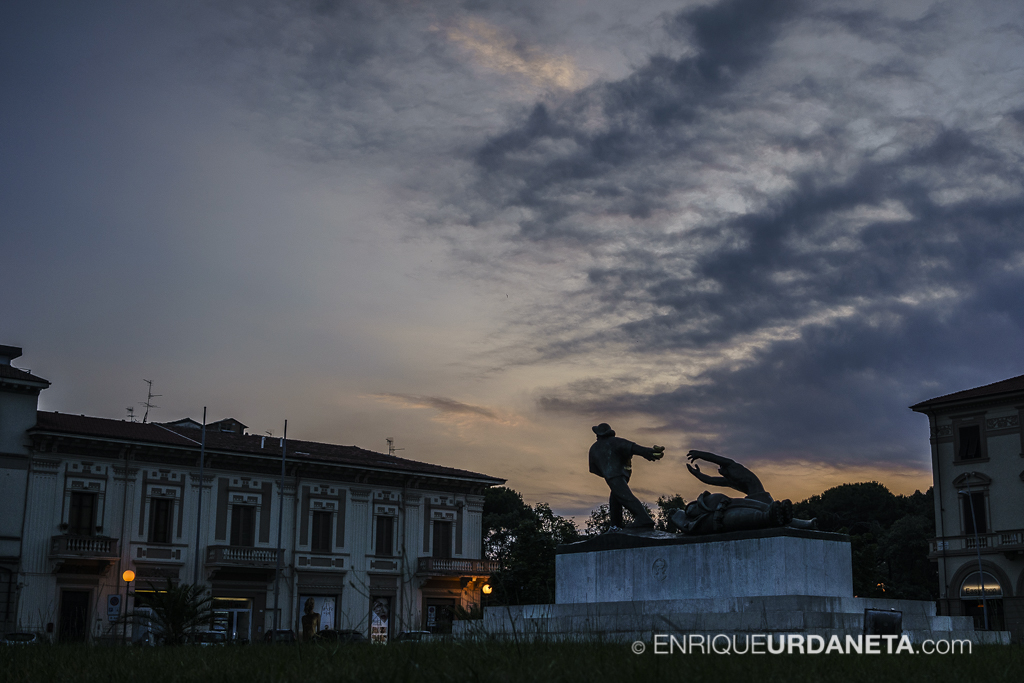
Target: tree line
[888, 535]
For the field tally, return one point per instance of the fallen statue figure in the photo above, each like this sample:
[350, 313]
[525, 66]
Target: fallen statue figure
[714, 513]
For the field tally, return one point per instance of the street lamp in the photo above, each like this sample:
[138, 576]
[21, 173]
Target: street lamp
[128, 575]
[977, 546]
[487, 589]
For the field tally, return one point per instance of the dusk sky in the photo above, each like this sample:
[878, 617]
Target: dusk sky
[757, 227]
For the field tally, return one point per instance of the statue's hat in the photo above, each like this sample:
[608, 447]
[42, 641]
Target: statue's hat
[603, 429]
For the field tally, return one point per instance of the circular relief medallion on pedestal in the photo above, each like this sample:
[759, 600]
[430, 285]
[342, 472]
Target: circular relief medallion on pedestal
[660, 569]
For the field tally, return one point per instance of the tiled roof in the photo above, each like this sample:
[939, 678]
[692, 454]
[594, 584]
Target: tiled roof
[243, 444]
[11, 372]
[1006, 386]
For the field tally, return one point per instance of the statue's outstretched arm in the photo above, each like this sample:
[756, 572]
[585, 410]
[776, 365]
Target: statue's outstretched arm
[719, 460]
[654, 453]
[707, 479]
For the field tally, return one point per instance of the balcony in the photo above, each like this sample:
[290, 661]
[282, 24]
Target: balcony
[241, 556]
[433, 566]
[1007, 542]
[69, 547]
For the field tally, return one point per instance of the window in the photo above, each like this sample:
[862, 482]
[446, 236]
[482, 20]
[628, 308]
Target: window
[322, 532]
[385, 546]
[970, 443]
[443, 540]
[973, 506]
[160, 516]
[243, 525]
[82, 515]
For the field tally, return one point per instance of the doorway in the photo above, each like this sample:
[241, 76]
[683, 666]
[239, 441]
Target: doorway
[74, 615]
[233, 618]
[972, 590]
[438, 614]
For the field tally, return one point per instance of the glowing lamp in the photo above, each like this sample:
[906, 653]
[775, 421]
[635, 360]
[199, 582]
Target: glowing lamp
[128, 576]
[487, 589]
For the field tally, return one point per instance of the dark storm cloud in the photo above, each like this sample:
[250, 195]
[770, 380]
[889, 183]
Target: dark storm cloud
[868, 276]
[646, 118]
[837, 393]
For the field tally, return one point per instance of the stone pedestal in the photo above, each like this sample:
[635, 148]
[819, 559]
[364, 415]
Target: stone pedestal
[627, 586]
[652, 565]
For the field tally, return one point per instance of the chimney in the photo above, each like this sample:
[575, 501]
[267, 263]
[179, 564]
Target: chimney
[9, 353]
[19, 398]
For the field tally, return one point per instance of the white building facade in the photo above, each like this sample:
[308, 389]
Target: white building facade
[978, 473]
[369, 541]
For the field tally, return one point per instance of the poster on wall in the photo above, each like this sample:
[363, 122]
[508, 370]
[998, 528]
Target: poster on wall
[379, 615]
[317, 614]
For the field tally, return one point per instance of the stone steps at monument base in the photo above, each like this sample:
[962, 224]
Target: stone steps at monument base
[610, 633]
[779, 621]
[825, 616]
[811, 603]
[573, 629]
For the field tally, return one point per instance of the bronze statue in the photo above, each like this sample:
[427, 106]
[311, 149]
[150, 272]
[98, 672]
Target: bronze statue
[310, 620]
[611, 457]
[716, 512]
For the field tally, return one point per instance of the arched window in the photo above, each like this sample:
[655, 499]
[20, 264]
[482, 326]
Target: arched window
[971, 600]
[970, 589]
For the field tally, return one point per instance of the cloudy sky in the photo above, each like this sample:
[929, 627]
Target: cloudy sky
[758, 227]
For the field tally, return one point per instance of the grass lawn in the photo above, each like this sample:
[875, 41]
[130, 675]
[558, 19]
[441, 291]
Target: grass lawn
[501, 662]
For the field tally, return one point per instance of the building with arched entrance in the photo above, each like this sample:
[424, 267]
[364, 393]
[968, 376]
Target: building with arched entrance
[978, 473]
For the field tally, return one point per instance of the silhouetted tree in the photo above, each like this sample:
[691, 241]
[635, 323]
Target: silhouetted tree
[888, 537]
[523, 541]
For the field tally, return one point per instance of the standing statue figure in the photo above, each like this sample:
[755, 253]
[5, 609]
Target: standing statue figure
[310, 620]
[717, 512]
[611, 457]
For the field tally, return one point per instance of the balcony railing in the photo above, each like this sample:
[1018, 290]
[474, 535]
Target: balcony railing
[452, 567]
[996, 541]
[240, 556]
[84, 547]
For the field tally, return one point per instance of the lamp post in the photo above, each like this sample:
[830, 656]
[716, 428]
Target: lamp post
[280, 521]
[199, 513]
[128, 576]
[977, 547]
[199, 503]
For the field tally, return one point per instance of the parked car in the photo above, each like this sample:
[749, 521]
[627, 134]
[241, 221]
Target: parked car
[211, 638]
[415, 636]
[342, 636]
[21, 639]
[281, 635]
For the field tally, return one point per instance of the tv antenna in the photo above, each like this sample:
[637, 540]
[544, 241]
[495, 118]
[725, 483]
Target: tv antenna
[391, 446]
[149, 400]
[131, 413]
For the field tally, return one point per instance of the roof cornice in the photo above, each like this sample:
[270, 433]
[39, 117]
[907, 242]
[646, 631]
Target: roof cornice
[193, 451]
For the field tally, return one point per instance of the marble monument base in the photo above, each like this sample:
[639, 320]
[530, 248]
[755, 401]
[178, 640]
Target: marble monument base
[627, 586]
[654, 565]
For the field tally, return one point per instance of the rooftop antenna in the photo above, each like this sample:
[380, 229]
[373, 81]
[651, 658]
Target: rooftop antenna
[131, 413]
[391, 446]
[149, 400]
